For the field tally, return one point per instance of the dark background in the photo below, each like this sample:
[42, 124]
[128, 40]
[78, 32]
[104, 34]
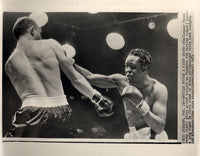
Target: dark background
[87, 33]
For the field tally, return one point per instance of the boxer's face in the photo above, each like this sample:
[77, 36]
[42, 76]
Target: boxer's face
[133, 70]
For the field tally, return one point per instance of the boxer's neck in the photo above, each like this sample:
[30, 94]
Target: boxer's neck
[24, 39]
[143, 82]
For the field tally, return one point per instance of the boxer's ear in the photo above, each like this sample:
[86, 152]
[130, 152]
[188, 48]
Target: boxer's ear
[31, 30]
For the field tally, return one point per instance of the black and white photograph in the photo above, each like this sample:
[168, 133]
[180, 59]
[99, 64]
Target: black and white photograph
[92, 76]
[99, 78]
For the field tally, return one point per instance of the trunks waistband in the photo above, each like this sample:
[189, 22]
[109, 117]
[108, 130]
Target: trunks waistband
[54, 101]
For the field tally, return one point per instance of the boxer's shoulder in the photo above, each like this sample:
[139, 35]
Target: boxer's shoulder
[8, 67]
[51, 42]
[43, 43]
[159, 88]
[17, 63]
[42, 48]
[16, 55]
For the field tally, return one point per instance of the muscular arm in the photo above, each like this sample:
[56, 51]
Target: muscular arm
[156, 118]
[99, 80]
[77, 80]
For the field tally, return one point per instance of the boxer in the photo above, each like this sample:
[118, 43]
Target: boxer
[144, 98]
[34, 71]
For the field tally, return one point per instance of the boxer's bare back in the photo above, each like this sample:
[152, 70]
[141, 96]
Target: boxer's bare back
[33, 69]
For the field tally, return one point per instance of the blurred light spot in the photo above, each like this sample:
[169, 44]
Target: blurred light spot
[151, 25]
[40, 18]
[71, 97]
[98, 131]
[83, 97]
[79, 130]
[69, 50]
[115, 41]
[173, 28]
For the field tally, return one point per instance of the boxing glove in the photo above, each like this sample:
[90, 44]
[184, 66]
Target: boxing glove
[132, 95]
[103, 105]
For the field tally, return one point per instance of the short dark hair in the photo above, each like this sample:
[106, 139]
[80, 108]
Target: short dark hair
[22, 25]
[145, 57]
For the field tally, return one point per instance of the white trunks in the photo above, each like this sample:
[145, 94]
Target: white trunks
[145, 133]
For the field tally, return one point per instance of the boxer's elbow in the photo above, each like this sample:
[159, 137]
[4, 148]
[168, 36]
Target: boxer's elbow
[76, 81]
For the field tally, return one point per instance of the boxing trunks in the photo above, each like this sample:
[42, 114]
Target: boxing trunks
[41, 114]
[145, 133]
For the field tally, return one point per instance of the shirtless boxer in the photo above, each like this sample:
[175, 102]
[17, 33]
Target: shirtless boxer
[34, 71]
[144, 98]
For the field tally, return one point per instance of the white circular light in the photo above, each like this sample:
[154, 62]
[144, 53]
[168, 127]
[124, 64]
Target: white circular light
[115, 41]
[69, 50]
[40, 18]
[173, 28]
[151, 25]
[93, 12]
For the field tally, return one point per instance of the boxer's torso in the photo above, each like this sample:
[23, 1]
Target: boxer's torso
[134, 118]
[34, 70]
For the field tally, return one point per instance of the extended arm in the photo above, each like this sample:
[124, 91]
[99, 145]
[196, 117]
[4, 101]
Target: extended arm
[103, 105]
[99, 80]
[77, 80]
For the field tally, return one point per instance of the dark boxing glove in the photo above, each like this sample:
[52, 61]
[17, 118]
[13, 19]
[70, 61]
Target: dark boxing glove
[135, 97]
[103, 105]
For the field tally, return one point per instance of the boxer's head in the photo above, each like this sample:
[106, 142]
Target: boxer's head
[25, 25]
[137, 64]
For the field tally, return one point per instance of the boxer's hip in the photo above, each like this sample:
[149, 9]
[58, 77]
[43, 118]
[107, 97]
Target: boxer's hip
[42, 110]
[145, 133]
